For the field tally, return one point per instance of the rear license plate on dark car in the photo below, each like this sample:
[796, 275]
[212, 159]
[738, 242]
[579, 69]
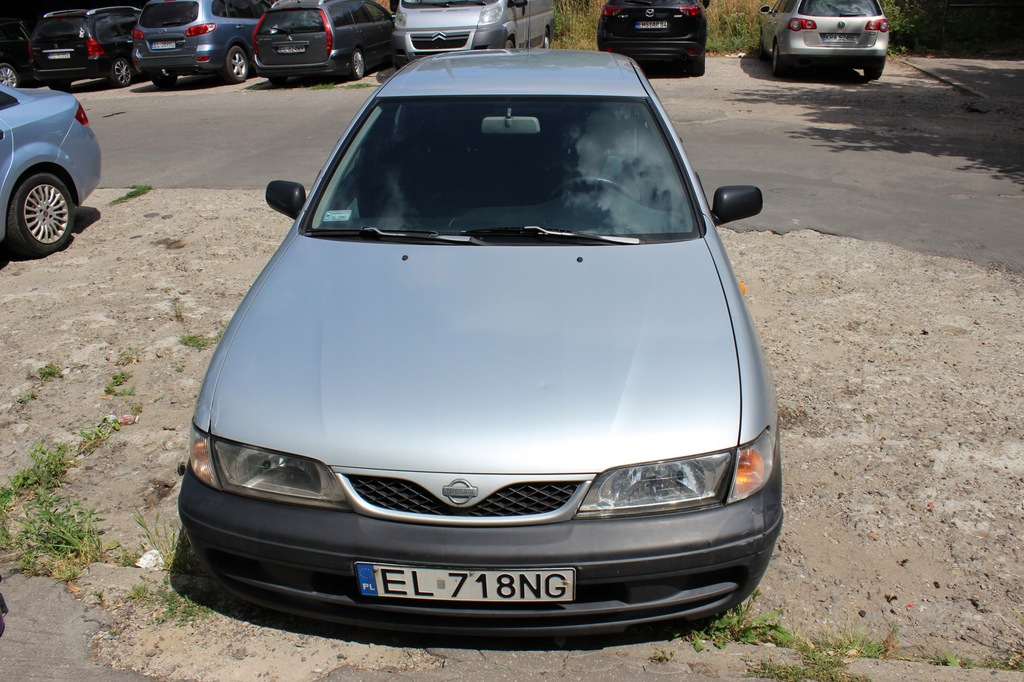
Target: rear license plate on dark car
[291, 49]
[652, 24]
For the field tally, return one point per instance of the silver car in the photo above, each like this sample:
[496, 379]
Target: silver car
[842, 33]
[499, 377]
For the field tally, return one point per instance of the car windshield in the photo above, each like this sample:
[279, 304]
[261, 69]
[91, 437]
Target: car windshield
[840, 8]
[163, 14]
[508, 168]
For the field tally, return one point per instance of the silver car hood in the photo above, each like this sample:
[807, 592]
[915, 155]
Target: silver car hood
[480, 359]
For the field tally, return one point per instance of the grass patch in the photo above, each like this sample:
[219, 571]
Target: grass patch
[58, 537]
[824, 658]
[117, 380]
[169, 605]
[127, 356]
[196, 341]
[173, 545]
[359, 86]
[740, 624]
[47, 472]
[133, 192]
[95, 436]
[27, 398]
[320, 86]
[49, 372]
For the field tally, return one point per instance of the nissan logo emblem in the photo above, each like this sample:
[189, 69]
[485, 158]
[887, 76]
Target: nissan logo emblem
[460, 491]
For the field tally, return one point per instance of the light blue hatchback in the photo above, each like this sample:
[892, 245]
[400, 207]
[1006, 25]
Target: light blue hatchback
[49, 163]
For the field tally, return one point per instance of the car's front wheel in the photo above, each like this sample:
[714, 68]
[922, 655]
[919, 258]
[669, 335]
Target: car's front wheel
[41, 216]
[9, 76]
[236, 68]
[120, 75]
[873, 73]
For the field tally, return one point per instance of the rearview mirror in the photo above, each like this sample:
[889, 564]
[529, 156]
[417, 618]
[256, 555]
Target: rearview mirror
[286, 197]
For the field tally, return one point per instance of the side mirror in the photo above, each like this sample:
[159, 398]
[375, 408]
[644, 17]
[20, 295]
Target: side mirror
[286, 197]
[517, 3]
[765, 9]
[706, 3]
[735, 202]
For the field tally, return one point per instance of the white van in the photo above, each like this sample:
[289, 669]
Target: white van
[424, 27]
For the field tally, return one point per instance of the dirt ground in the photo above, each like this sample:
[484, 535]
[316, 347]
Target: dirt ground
[900, 379]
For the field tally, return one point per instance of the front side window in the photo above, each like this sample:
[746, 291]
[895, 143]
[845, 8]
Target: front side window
[483, 165]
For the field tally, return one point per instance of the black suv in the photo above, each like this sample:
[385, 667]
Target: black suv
[15, 60]
[656, 30]
[75, 45]
[322, 38]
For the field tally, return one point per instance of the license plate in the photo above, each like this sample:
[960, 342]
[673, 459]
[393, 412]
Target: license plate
[163, 44]
[839, 38]
[652, 24]
[291, 49]
[59, 55]
[449, 584]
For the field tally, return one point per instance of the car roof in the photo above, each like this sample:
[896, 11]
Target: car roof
[90, 12]
[518, 72]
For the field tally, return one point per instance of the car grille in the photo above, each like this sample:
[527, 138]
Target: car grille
[440, 41]
[521, 499]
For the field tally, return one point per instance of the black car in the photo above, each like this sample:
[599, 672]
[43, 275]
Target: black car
[656, 30]
[327, 38]
[15, 60]
[75, 45]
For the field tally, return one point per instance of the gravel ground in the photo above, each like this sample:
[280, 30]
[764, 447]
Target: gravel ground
[900, 386]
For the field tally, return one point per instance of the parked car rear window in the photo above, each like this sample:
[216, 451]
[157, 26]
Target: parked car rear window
[158, 14]
[60, 29]
[840, 8]
[292, 21]
[597, 166]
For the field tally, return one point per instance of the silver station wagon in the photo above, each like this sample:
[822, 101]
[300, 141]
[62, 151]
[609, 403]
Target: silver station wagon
[499, 377]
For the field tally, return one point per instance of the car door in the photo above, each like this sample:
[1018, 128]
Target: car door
[6, 152]
[14, 47]
[244, 15]
[376, 30]
[775, 21]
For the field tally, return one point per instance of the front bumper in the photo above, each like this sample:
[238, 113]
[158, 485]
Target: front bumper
[404, 43]
[628, 571]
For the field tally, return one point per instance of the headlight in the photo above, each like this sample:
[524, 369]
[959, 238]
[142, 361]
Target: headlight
[400, 19]
[754, 464]
[491, 14]
[264, 474]
[658, 487]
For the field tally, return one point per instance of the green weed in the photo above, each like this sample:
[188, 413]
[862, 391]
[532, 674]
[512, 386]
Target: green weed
[95, 436]
[321, 86]
[49, 372]
[740, 624]
[196, 341]
[127, 356]
[824, 658]
[27, 398]
[117, 380]
[133, 192]
[169, 605]
[47, 472]
[179, 558]
[58, 537]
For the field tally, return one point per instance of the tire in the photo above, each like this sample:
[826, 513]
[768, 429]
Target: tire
[763, 54]
[236, 66]
[357, 65]
[120, 75]
[873, 73]
[779, 67]
[510, 44]
[164, 80]
[277, 81]
[697, 66]
[9, 75]
[41, 216]
[545, 42]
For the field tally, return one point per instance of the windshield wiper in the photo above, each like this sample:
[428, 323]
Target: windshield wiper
[540, 232]
[377, 234]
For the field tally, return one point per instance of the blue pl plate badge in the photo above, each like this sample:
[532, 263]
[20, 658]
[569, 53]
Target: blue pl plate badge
[367, 580]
